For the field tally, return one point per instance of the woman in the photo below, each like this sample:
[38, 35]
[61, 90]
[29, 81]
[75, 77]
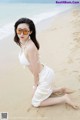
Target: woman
[25, 37]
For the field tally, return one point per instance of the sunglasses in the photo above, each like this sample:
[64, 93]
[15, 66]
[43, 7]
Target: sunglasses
[24, 31]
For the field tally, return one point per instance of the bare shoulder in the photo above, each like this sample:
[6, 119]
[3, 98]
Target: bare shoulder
[31, 48]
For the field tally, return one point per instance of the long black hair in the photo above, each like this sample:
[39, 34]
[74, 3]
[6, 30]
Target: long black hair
[31, 27]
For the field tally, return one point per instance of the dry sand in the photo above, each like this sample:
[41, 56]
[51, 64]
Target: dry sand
[60, 50]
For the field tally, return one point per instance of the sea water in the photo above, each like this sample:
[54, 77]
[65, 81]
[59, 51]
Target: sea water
[11, 12]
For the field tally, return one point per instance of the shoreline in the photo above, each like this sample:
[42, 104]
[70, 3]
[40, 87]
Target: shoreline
[40, 20]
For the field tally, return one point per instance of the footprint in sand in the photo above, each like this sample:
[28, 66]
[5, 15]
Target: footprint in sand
[70, 60]
[76, 34]
[67, 107]
[75, 71]
[41, 114]
[75, 48]
[79, 89]
[28, 110]
[75, 13]
[77, 39]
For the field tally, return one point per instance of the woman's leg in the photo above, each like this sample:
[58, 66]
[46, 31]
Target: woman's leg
[62, 90]
[58, 100]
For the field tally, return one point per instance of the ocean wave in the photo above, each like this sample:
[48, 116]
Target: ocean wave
[8, 29]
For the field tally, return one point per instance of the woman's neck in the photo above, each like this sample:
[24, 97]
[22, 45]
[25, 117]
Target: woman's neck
[24, 43]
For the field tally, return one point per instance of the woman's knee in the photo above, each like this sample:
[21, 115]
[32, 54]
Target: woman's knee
[35, 103]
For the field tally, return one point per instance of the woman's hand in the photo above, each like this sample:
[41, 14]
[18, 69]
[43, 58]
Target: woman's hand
[34, 89]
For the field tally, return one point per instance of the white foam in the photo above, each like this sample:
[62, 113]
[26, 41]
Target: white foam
[8, 29]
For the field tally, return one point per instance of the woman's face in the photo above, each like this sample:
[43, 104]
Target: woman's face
[23, 32]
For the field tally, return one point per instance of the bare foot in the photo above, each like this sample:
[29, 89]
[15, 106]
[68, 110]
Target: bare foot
[70, 102]
[67, 90]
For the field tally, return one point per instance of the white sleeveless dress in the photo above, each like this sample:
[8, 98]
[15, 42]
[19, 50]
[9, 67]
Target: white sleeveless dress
[46, 78]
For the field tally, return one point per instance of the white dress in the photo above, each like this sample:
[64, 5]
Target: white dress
[46, 78]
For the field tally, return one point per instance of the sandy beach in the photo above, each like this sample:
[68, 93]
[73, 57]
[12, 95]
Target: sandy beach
[60, 50]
